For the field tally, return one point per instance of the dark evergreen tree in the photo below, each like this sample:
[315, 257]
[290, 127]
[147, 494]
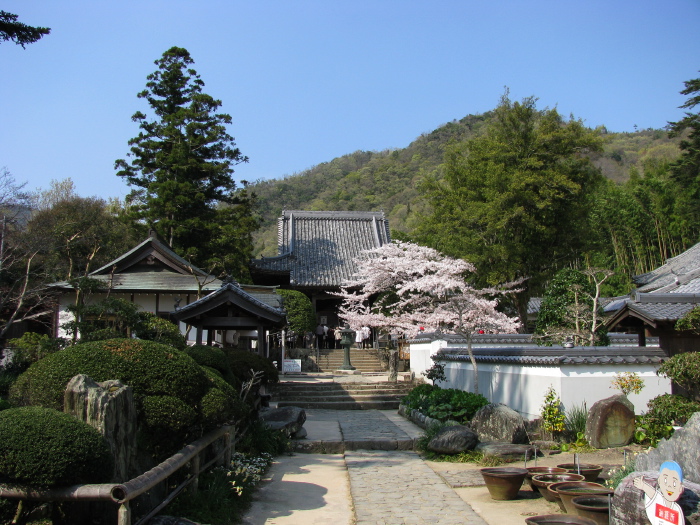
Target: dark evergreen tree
[182, 164]
[686, 170]
[19, 33]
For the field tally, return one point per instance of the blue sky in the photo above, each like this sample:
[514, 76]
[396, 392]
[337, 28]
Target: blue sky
[306, 81]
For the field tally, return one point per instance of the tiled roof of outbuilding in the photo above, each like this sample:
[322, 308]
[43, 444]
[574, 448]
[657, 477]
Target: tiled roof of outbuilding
[554, 356]
[317, 248]
[672, 272]
[234, 292]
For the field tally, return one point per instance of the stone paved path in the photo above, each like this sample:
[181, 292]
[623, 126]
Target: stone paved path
[370, 429]
[397, 487]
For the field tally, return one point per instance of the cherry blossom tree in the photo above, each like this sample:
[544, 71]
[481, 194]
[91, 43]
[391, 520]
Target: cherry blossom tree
[402, 287]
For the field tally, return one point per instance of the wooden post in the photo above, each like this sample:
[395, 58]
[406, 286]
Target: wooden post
[228, 450]
[194, 472]
[124, 514]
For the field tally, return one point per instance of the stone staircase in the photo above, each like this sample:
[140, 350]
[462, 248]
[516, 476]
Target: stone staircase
[341, 396]
[364, 360]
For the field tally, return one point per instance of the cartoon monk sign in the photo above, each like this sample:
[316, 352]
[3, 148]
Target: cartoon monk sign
[660, 503]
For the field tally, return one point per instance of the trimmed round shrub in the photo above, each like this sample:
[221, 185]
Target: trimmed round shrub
[222, 402]
[169, 387]
[212, 357]
[167, 414]
[242, 362]
[43, 447]
[150, 368]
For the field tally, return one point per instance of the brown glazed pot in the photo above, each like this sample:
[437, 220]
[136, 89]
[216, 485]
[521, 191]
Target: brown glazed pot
[588, 470]
[593, 507]
[542, 480]
[536, 471]
[503, 482]
[559, 519]
[584, 488]
[552, 491]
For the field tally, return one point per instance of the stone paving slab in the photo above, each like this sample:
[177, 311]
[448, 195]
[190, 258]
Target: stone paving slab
[334, 431]
[309, 489]
[462, 478]
[398, 488]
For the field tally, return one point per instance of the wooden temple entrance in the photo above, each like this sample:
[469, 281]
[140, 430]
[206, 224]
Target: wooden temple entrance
[230, 308]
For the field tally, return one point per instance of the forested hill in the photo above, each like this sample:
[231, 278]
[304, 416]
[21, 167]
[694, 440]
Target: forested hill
[388, 180]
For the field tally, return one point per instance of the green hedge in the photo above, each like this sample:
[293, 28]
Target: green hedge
[43, 447]
[444, 403]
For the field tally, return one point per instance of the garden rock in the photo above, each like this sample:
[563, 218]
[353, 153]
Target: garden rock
[453, 440]
[683, 448]
[300, 434]
[508, 451]
[498, 422]
[628, 502]
[109, 408]
[610, 422]
[289, 418]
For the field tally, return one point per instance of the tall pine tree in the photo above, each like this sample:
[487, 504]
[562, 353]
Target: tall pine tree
[182, 162]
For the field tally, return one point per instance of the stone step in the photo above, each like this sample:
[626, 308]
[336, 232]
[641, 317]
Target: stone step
[391, 396]
[329, 387]
[343, 405]
[341, 396]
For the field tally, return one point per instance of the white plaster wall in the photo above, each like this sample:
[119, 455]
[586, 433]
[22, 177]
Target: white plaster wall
[523, 387]
[147, 302]
[593, 382]
[421, 356]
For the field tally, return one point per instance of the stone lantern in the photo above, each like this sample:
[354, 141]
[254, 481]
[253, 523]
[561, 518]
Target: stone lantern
[347, 338]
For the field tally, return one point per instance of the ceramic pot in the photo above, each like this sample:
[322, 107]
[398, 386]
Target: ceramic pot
[552, 491]
[593, 507]
[588, 470]
[503, 482]
[536, 471]
[542, 480]
[584, 488]
[559, 519]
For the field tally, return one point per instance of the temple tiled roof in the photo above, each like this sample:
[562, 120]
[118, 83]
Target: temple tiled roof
[153, 267]
[317, 249]
[555, 356]
[270, 304]
[676, 271]
[664, 295]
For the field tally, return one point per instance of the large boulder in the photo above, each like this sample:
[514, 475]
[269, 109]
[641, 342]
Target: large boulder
[683, 448]
[498, 422]
[453, 439]
[610, 422]
[628, 502]
[290, 419]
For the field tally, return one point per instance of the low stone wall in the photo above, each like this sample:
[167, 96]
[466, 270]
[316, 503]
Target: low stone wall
[421, 419]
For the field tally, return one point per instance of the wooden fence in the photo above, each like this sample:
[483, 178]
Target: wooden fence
[122, 493]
